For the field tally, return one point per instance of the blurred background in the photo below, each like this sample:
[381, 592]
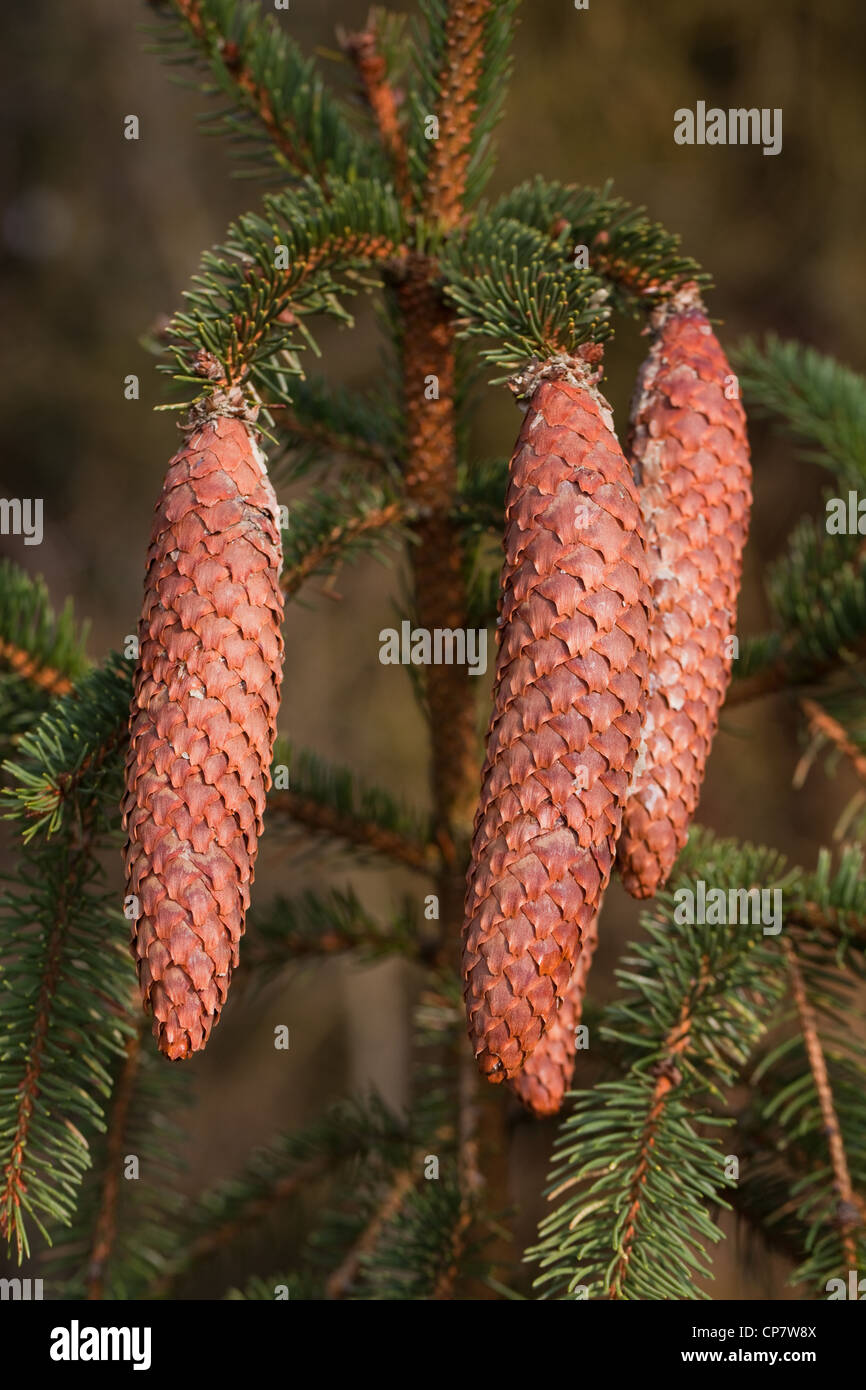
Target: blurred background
[98, 239]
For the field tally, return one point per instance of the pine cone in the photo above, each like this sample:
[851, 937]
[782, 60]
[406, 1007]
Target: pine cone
[546, 1075]
[691, 459]
[202, 725]
[563, 736]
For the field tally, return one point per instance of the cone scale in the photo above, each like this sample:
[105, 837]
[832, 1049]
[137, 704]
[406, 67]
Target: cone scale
[563, 737]
[690, 455]
[546, 1075]
[202, 725]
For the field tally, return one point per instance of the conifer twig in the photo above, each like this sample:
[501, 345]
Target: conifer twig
[257, 98]
[667, 1079]
[372, 70]
[226, 1231]
[105, 1228]
[329, 439]
[294, 577]
[777, 676]
[13, 1193]
[364, 833]
[28, 668]
[458, 84]
[340, 1280]
[849, 1214]
[823, 724]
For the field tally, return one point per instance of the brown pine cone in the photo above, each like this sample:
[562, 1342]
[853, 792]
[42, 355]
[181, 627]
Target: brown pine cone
[202, 725]
[546, 1075]
[563, 737]
[690, 455]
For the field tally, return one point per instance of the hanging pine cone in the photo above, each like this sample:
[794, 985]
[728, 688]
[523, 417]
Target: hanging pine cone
[202, 725]
[546, 1074]
[690, 455]
[563, 737]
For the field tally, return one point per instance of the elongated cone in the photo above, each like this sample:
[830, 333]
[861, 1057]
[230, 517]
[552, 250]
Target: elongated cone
[202, 725]
[546, 1075]
[690, 455]
[563, 736]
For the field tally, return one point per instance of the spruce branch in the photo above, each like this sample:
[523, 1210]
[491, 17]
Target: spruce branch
[818, 401]
[818, 594]
[278, 110]
[333, 525]
[67, 979]
[462, 64]
[639, 261]
[635, 1176]
[328, 799]
[105, 1225]
[667, 1077]
[38, 646]
[514, 286]
[325, 924]
[462, 47]
[313, 416]
[72, 754]
[420, 1246]
[849, 1212]
[341, 1279]
[372, 69]
[344, 1135]
[823, 726]
[122, 1233]
[252, 294]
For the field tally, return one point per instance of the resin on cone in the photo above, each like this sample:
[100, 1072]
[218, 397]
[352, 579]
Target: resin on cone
[568, 695]
[546, 1076]
[202, 725]
[690, 456]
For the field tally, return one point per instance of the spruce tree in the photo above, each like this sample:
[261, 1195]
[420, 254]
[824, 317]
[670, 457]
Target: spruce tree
[731, 1067]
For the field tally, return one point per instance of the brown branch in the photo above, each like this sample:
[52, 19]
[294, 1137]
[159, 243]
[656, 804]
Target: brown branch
[217, 46]
[337, 443]
[778, 676]
[456, 109]
[668, 1077]
[13, 1180]
[368, 247]
[372, 71]
[227, 1231]
[472, 1180]
[849, 1214]
[293, 577]
[444, 1287]
[105, 1228]
[14, 1184]
[767, 682]
[438, 572]
[823, 724]
[367, 834]
[30, 669]
[342, 1277]
[839, 922]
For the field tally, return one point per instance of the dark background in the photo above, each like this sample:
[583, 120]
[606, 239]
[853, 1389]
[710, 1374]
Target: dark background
[98, 238]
